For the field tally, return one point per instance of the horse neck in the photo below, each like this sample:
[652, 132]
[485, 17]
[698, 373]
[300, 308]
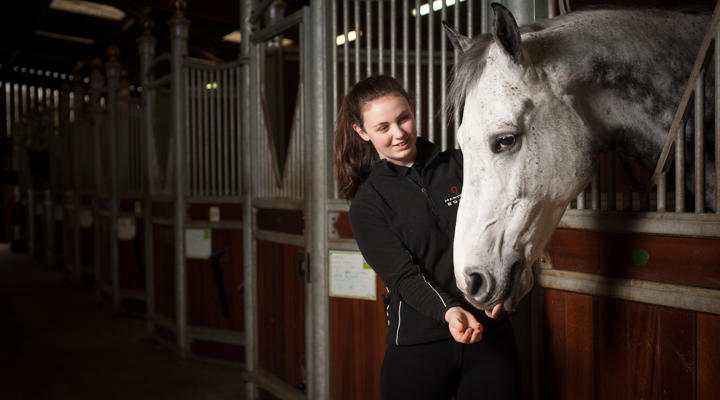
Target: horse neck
[625, 79]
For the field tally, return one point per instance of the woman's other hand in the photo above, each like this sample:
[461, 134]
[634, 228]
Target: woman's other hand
[463, 326]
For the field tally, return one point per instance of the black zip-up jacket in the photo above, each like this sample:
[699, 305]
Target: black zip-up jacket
[404, 222]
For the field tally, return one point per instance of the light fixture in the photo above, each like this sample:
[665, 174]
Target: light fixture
[211, 85]
[234, 37]
[88, 8]
[340, 39]
[436, 6]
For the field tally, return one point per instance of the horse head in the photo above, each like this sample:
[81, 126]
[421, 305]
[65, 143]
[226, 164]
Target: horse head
[524, 162]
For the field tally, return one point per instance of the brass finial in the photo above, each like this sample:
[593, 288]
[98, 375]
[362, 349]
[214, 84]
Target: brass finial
[148, 24]
[180, 6]
[113, 53]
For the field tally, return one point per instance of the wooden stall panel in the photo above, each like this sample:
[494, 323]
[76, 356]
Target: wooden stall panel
[215, 298]
[555, 344]
[679, 260]
[677, 353]
[286, 221]
[643, 346]
[281, 312]
[708, 356]
[164, 265]
[357, 343]
[131, 259]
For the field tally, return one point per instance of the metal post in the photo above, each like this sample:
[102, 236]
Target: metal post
[179, 27]
[96, 87]
[247, 109]
[113, 76]
[75, 221]
[146, 45]
[700, 143]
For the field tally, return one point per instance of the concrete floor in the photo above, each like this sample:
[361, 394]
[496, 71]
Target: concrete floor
[60, 341]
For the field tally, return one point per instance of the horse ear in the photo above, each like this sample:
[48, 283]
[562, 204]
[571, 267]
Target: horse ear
[459, 41]
[506, 32]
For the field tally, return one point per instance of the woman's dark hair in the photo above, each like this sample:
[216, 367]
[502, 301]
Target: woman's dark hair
[354, 156]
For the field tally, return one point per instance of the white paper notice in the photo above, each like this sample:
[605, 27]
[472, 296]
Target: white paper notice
[126, 228]
[351, 276]
[198, 243]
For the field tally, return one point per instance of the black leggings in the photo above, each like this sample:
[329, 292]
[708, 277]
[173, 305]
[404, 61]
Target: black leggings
[447, 369]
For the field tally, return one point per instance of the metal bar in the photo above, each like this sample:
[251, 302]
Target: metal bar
[248, 91]
[662, 193]
[334, 63]
[229, 154]
[234, 130]
[595, 190]
[269, 32]
[418, 70]
[113, 75]
[470, 16]
[611, 189]
[356, 14]
[146, 45]
[717, 120]
[700, 143]
[179, 27]
[443, 80]
[381, 36]
[346, 47]
[684, 101]
[456, 58]
[368, 29]
[214, 117]
[431, 74]
[581, 200]
[206, 139]
[406, 43]
[680, 170]
[393, 38]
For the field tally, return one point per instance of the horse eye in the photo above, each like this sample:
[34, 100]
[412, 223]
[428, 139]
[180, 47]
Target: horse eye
[503, 143]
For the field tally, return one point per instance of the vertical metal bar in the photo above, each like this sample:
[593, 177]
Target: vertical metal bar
[484, 17]
[680, 170]
[662, 193]
[406, 43]
[717, 120]
[581, 200]
[113, 75]
[381, 37]
[206, 138]
[393, 38]
[248, 121]
[369, 29]
[456, 57]
[146, 45]
[192, 138]
[334, 63]
[443, 80]
[471, 17]
[226, 132]
[346, 47]
[356, 10]
[234, 118]
[552, 9]
[418, 69]
[179, 27]
[214, 117]
[316, 203]
[611, 189]
[431, 73]
[700, 143]
[595, 190]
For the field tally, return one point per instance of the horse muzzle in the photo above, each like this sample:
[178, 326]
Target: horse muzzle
[485, 290]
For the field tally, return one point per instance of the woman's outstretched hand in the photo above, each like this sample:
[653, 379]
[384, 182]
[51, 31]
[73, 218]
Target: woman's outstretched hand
[464, 328]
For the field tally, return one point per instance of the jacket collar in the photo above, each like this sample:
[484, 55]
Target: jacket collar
[426, 153]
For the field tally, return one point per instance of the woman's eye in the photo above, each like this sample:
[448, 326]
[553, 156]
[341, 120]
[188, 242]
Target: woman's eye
[503, 143]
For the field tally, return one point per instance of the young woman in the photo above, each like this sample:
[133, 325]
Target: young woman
[404, 196]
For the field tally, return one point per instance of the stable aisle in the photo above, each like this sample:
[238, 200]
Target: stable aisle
[60, 341]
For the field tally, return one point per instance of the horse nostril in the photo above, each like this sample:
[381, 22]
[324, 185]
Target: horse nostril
[475, 282]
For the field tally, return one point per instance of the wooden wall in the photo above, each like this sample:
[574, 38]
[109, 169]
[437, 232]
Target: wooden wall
[605, 348]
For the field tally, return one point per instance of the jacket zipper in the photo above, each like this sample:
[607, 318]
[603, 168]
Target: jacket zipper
[427, 196]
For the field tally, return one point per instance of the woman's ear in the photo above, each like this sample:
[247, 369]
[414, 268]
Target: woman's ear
[359, 130]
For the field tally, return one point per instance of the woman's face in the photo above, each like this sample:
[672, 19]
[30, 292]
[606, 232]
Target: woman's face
[389, 124]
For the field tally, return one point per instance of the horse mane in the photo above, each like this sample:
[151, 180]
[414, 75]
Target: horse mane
[471, 64]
